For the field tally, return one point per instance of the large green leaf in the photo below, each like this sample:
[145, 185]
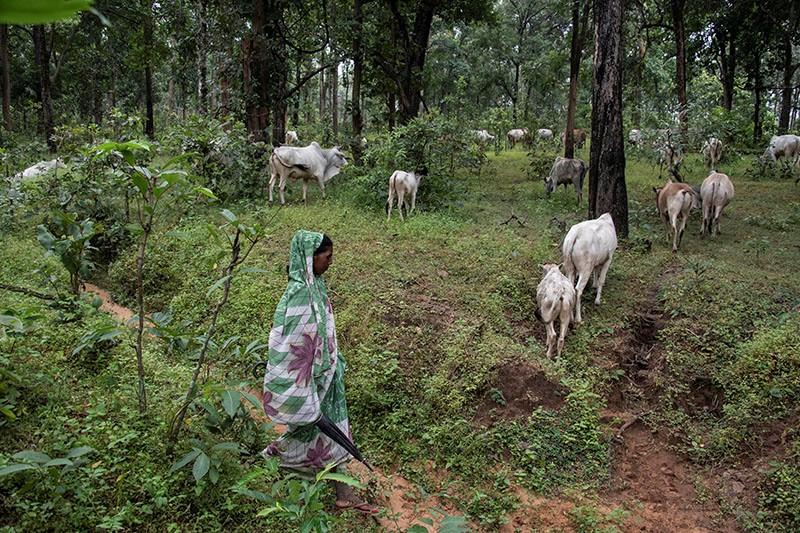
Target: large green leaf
[12, 322]
[185, 460]
[39, 11]
[77, 452]
[10, 469]
[230, 401]
[341, 478]
[201, 466]
[61, 461]
[32, 456]
[219, 283]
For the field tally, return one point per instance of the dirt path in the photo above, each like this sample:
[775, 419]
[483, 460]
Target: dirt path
[121, 313]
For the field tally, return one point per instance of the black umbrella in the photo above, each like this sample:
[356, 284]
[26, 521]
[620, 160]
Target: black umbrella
[331, 430]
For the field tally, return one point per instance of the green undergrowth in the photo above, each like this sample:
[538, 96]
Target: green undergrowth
[428, 313]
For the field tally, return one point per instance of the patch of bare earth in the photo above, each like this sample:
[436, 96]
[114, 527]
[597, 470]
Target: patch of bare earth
[516, 390]
[121, 313]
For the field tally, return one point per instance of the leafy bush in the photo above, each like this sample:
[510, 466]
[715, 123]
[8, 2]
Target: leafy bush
[780, 495]
[434, 145]
[68, 239]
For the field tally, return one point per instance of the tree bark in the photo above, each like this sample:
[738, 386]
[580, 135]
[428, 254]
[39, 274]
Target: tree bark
[256, 75]
[726, 42]
[149, 125]
[788, 74]
[358, 70]
[202, 60]
[758, 129]
[323, 89]
[391, 110]
[416, 49]
[607, 190]
[579, 22]
[335, 100]
[6, 64]
[43, 63]
[679, 31]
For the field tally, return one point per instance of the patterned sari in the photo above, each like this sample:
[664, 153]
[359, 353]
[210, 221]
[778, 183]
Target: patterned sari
[305, 373]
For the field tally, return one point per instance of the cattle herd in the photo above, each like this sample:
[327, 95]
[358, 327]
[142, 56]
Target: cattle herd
[588, 246]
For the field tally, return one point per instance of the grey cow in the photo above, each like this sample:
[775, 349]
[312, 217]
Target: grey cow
[566, 171]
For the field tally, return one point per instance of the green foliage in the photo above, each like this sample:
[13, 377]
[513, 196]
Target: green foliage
[588, 519]
[299, 501]
[93, 351]
[69, 240]
[38, 461]
[780, 495]
[206, 460]
[40, 11]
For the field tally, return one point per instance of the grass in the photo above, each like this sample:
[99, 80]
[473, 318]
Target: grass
[427, 312]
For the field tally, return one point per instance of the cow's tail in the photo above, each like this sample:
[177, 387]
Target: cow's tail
[568, 247]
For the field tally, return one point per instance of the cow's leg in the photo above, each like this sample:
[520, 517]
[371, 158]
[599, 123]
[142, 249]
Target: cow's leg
[580, 194]
[389, 204]
[282, 187]
[601, 280]
[272, 178]
[706, 218]
[681, 227]
[717, 218]
[551, 338]
[583, 279]
[564, 316]
[401, 202]
[413, 200]
[305, 192]
[322, 188]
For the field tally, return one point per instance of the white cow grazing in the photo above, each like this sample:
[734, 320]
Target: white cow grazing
[400, 184]
[555, 297]
[306, 163]
[787, 146]
[712, 152]
[483, 136]
[545, 134]
[38, 169]
[516, 135]
[635, 138]
[291, 137]
[587, 251]
[716, 192]
[566, 171]
[674, 200]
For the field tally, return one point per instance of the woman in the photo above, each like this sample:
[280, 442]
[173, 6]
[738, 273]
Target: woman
[305, 374]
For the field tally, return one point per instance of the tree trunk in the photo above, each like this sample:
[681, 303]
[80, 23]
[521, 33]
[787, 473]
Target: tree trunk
[679, 30]
[515, 90]
[411, 79]
[256, 75]
[358, 70]
[6, 64]
[391, 106]
[296, 98]
[43, 63]
[788, 74]
[727, 64]
[335, 101]
[323, 93]
[607, 191]
[579, 21]
[202, 51]
[149, 125]
[758, 132]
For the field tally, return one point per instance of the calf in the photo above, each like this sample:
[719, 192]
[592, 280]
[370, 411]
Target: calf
[716, 192]
[517, 135]
[400, 184]
[38, 169]
[587, 251]
[555, 297]
[635, 138]
[545, 134]
[787, 146]
[578, 137]
[712, 152]
[674, 200]
[291, 137]
[566, 171]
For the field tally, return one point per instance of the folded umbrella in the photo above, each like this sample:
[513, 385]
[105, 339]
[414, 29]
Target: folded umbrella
[335, 434]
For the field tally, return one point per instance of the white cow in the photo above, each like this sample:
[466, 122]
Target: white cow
[291, 137]
[716, 192]
[566, 171]
[555, 297]
[635, 138]
[400, 184]
[483, 137]
[307, 163]
[517, 135]
[544, 134]
[38, 169]
[787, 146]
[712, 152]
[587, 251]
[673, 201]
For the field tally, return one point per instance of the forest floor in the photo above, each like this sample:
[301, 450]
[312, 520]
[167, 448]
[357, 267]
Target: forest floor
[657, 417]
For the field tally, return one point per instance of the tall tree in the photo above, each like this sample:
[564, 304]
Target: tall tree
[43, 63]
[790, 31]
[678, 10]
[607, 190]
[202, 56]
[5, 62]
[358, 70]
[580, 20]
[149, 124]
